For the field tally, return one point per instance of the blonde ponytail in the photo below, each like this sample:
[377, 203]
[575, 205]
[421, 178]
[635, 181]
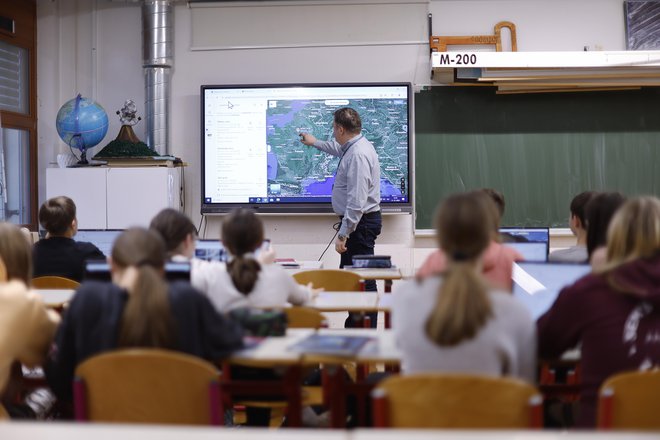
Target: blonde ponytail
[464, 224]
[462, 306]
[147, 319]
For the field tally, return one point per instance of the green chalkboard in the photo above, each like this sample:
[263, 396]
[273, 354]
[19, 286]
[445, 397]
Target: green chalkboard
[538, 149]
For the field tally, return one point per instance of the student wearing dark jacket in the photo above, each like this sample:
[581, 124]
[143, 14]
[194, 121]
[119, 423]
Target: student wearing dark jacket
[138, 309]
[614, 313]
[59, 254]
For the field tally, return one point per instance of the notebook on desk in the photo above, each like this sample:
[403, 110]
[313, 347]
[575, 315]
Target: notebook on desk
[537, 284]
[334, 345]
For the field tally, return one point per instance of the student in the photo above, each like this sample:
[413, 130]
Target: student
[454, 322]
[246, 282]
[180, 236]
[497, 260]
[578, 225]
[137, 309]
[58, 254]
[26, 326]
[599, 211]
[613, 313]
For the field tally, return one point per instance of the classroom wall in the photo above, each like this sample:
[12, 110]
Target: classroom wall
[94, 47]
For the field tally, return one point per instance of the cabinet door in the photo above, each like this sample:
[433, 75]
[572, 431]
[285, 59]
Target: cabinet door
[135, 195]
[86, 186]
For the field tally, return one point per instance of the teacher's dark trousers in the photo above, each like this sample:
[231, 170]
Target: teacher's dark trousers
[362, 242]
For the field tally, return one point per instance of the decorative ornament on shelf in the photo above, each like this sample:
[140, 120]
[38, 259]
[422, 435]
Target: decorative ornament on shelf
[82, 123]
[127, 145]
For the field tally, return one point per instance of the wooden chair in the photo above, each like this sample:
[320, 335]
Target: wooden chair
[54, 282]
[330, 279]
[147, 386]
[456, 401]
[630, 401]
[304, 317]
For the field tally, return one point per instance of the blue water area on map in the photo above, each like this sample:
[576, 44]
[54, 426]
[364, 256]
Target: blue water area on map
[285, 118]
[271, 161]
[315, 187]
[388, 189]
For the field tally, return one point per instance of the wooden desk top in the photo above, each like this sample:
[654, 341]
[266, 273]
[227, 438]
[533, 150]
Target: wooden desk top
[393, 273]
[438, 434]
[100, 431]
[273, 350]
[346, 302]
[55, 297]
[382, 349]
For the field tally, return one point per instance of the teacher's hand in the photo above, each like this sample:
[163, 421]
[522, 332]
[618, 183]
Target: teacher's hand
[307, 139]
[340, 245]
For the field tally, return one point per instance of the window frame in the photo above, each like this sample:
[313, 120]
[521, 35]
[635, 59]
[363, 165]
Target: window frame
[24, 14]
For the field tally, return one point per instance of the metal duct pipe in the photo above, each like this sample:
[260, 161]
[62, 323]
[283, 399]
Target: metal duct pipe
[157, 57]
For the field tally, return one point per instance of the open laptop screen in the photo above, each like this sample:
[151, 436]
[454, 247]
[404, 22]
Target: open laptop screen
[210, 250]
[101, 238]
[214, 250]
[531, 251]
[538, 284]
[100, 271]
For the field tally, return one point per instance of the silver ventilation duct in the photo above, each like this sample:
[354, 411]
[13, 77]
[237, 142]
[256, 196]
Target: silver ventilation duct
[157, 57]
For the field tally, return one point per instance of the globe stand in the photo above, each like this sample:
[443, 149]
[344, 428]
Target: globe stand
[83, 162]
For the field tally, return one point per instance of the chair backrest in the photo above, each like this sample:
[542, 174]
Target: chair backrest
[630, 401]
[147, 386]
[3, 413]
[330, 279]
[456, 401]
[54, 282]
[304, 317]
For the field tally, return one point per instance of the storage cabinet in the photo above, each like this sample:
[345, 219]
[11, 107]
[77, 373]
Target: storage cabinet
[116, 198]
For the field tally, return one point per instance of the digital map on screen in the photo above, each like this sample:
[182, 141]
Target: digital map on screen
[295, 170]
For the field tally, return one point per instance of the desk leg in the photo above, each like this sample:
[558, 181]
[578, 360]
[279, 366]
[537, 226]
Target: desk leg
[335, 394]
[388, 286]
[292, 381]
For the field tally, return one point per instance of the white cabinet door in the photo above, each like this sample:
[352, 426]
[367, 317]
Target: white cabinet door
[87, 188]
[135, 195]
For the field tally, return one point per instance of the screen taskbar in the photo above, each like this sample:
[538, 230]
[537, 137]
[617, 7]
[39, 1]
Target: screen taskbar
[321, 199]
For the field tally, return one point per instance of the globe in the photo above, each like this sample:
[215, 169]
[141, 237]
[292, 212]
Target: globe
[81, 123]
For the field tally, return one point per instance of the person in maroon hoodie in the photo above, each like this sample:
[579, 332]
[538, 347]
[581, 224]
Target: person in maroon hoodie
[614, 312]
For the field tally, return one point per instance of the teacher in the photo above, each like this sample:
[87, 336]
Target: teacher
[356, 190]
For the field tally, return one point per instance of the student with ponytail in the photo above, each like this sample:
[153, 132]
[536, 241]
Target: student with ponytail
[453, 322]
[246, 282]
[138, 309]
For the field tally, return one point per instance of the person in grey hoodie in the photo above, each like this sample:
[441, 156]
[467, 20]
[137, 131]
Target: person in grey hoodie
[613, 313]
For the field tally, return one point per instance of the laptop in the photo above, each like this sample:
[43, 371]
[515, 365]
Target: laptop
[214, 250]
[537, 284]
[210, 250]
[512, 236]
[100, 271]
[101, 238]
[531, 251]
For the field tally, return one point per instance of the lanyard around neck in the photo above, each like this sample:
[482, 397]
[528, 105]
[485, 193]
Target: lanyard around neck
[349, 144]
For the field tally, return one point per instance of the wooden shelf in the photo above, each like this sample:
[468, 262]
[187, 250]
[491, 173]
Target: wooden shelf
[534, 72]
